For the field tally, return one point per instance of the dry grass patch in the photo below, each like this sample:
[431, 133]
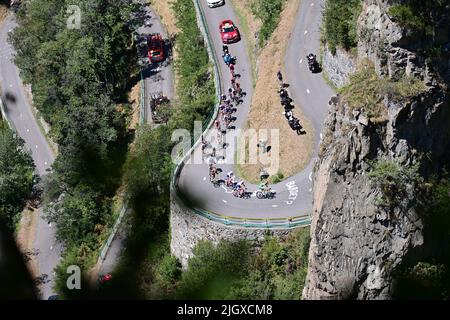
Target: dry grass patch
[164, 10]
[3, 12]
[25, 237]
[266, 111]
[249, 26]
[366, 91]
[134, 98]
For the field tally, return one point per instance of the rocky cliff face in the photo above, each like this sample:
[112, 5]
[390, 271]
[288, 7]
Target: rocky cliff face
[356, 242]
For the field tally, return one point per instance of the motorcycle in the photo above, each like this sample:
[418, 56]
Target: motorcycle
[312, 63]
[295, 125]
[265, 194]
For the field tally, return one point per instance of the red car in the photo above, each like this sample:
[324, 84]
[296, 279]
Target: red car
[155, 48]
[229, 33]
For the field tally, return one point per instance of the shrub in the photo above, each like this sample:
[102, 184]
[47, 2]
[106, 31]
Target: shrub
[424, 280]
[269, 12]
[395, 182]
[366, 90]
[16, 176]
[168, 271]
[278, 177]
[340, 23]
[422, 16]
[405, 16]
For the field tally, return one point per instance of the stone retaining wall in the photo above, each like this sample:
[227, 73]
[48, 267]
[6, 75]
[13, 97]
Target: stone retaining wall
[188, 228]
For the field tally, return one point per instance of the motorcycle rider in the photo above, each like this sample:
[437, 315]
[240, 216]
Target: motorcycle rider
[312, 62]
[280, 76]
[311, 58]
[288, 114]
[225, 49]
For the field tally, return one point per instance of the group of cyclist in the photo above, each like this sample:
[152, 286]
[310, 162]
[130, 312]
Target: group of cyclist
[227, 107]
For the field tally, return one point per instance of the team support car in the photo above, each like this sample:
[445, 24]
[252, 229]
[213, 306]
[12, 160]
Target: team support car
[215, 3]
[229, 32]
[155, 45]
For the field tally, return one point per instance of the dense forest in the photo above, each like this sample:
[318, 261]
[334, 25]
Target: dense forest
[16, 176]
[79, 79]
[339, 24]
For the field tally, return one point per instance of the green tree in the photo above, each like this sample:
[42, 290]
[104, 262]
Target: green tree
[16, 176]
[269, 12]
[340, 23]
[79, 77]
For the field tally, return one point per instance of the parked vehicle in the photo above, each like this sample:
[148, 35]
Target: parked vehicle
[229, 33]
[155, 45]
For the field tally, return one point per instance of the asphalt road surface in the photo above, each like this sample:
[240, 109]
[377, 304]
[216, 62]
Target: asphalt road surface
[20, 113]
[158, 78]
[309, 91]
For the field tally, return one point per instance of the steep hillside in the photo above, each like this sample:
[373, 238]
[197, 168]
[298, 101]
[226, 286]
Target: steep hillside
[387, 137]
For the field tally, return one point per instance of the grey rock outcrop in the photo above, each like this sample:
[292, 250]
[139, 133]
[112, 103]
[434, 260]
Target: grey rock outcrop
[356, 243]
[339, 66]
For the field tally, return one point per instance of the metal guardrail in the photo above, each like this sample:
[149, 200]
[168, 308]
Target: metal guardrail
[260, 223]
[142, 104]
[274, 223]
[112, 234]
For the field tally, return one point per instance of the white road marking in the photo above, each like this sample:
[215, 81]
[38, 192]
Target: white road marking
[226, 190]
[310, 190]
[51, 247]
[224, 201]
[306, 31]
[204, 178]
[10, 85]
[36, 146]
[307, 91]
[28, 130]
[321, 137]
[274, 206]
[312, 4]
[301, 60]
[310, 176]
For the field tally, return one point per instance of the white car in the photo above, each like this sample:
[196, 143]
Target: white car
[215, 3]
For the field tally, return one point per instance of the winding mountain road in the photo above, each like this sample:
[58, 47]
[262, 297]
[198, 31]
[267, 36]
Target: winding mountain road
[20, 113]
[309, 91]
[158, 78]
